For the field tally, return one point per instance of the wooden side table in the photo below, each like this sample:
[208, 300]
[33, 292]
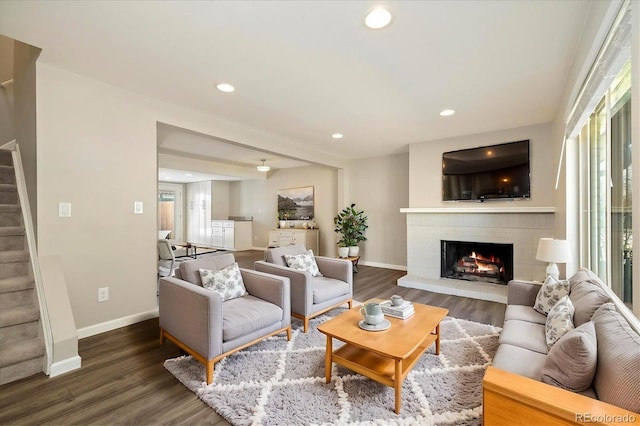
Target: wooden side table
[354, 260]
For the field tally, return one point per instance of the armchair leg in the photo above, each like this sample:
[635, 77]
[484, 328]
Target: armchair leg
[306, 324]
[289, 333]
[161, 336]
[209, 368]
[350, 303]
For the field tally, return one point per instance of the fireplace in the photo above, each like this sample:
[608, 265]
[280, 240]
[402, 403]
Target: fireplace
[476, 261]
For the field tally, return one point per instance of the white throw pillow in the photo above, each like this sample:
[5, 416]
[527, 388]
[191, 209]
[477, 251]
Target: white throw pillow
[559, 321]
[227, 282]
[303, 262]
[551, 291]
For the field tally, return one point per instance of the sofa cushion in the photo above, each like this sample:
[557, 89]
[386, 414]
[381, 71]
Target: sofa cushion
[520, 361]
[524, 334]
[571, 362]
[276, 255]
[551, 291]
[244, 315]
[524, 313]
[586, 294]
[190, 271]
[559, 321]
[617, 379]
[303, 262]
[328, 288]
[227, 282]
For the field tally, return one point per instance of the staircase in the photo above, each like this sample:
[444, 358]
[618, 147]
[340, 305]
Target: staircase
[22, 346]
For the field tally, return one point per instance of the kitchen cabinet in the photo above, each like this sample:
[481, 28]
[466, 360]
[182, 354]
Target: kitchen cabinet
[199, 212]
[306, 237]
[231, 235]
[206, 200]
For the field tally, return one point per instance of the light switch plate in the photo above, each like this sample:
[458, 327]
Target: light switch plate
[137, 207]
[64, 209]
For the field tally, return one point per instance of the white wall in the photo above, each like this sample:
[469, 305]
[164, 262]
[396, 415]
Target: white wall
[425, 166]
[96, 150]
[380, 187]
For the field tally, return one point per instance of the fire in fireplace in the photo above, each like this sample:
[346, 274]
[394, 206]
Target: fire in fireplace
[474, 261]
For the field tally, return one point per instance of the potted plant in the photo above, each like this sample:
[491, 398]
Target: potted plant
[351, 224]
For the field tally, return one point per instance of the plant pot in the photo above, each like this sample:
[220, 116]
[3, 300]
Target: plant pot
[343, 251]
[354, 251]
[283, 224]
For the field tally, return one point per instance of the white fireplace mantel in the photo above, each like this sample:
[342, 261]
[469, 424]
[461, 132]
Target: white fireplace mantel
[478, 210]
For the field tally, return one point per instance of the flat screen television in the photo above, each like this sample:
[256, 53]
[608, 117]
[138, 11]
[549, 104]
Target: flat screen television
[495, 172]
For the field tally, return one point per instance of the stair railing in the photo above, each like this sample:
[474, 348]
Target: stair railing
[31, 244]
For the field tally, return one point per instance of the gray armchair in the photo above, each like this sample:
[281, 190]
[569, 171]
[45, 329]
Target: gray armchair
[198, 321]
[311, 296]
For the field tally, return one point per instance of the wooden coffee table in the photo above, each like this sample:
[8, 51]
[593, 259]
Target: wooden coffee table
[384, 356]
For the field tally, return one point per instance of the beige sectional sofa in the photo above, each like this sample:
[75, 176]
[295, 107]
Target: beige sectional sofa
[530, 384]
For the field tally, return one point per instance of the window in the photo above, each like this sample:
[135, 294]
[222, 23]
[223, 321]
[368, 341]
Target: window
[605, 144]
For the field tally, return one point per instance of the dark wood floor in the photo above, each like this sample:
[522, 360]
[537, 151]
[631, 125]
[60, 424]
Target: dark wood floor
[122, 380]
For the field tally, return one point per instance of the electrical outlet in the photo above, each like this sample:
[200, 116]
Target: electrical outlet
[103, 294]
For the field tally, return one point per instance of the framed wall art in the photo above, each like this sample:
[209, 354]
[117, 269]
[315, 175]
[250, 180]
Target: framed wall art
[295, 203]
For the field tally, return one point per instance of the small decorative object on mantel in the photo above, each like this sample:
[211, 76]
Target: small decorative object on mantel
[351, 224]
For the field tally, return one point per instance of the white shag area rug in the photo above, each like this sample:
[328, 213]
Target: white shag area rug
[280, 382]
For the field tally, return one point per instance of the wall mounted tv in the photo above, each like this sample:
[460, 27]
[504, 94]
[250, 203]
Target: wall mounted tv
[496, 172]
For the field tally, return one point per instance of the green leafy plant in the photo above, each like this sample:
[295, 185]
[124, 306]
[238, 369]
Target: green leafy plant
[351, 224]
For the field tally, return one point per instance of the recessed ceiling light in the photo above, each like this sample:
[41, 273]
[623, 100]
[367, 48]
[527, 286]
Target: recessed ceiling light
[337, 135]
[378, 18]
[188, 174]
[225, 87]
[447, 112]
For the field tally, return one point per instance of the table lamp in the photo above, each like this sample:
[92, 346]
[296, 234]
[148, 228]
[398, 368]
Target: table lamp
[553, 251]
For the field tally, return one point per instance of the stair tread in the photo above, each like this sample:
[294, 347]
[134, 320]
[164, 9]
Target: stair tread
[19, 315]
[6, 231]
[11, 284]
[14, 256]
[9, 208]
[21, 351]
[8, 187]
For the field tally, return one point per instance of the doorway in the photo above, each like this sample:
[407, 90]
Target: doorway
[170, 217]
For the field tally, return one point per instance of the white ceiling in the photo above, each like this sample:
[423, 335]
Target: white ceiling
[306, 69]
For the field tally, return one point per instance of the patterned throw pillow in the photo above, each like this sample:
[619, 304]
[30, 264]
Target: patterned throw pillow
[551, 291]
[226, 282]
[559, 321]
[303, 262]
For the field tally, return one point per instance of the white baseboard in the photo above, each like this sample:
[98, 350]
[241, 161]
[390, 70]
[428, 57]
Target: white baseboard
[103, 327]
[65, 366]
[384, 265]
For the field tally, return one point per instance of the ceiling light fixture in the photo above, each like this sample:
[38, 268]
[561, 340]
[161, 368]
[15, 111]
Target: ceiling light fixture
[225, 87]
[447, 112]
[378, 18]
[263, 168]
[337, 135]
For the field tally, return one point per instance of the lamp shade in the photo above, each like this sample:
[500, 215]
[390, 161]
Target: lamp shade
[263, 168]
[552, 250]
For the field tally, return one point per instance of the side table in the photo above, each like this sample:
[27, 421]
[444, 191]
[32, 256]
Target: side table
[354, 260]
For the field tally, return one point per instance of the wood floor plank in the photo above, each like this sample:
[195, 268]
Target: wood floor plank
[122, 380]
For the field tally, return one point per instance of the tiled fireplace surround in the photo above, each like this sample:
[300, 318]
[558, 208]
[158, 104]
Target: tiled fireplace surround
[520, 226]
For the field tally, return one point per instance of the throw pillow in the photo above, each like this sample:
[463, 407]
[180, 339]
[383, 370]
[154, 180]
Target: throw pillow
[303, 262]
[551, 291]
[571, 362]
[617, 379]
[227, 282]
[559, 321]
